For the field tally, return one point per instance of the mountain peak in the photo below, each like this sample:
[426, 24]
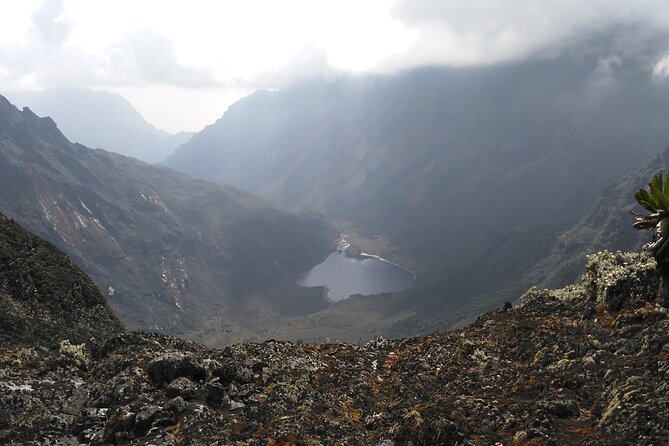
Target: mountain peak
[29, 114]
[9, 114]
[101, 119]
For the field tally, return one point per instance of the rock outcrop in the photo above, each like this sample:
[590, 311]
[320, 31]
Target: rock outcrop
[588, 364]
[44, 297]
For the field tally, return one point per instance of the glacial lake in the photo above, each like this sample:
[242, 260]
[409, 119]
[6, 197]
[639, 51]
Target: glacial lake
[345, 276]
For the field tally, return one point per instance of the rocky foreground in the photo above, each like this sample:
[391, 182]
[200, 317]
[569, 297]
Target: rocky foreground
[588, 364]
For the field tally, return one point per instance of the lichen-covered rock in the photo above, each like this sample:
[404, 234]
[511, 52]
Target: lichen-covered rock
[621, 279]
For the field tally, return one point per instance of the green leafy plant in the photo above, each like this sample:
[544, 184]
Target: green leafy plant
[656, 201]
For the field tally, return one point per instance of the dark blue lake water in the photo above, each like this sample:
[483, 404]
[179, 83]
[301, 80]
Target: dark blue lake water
[345, 276]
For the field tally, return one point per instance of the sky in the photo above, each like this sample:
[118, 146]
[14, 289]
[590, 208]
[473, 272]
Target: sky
[182, 63]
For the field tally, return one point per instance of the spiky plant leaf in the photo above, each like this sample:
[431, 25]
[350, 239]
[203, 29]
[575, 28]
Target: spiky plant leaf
[657, 193]
[644, 199]
[656, 182]
[656, 201]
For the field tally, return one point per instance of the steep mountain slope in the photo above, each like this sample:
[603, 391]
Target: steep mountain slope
[583, 365]
[101, 120]
[45, 298]
[606, 225]
[171, 252]
[468, 173]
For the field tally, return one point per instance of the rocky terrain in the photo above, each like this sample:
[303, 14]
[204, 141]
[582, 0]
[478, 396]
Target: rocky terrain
[44, 297]
[588, 364]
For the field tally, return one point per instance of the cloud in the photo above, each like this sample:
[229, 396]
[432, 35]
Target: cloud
[51, 22]
[148, 58]
[490, 31]
[47, 59]
[661, 69]
[606, 66]
[310, 63]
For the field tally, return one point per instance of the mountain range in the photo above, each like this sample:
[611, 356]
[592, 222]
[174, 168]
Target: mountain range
[100, 119]
[466, 175]
[482, 180]
[172, 253]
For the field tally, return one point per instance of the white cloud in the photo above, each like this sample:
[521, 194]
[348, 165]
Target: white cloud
[310, 63]
[51, 22]
[661, 69]
[49, 58]
[188, 51]
[146, 58]
[490, 31]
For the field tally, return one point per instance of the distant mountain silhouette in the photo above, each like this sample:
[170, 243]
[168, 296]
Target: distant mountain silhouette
[101, 119]
[471, 172]
[170, 252]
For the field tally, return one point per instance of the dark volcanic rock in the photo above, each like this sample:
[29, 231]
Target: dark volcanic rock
[44, 297]
[169, 366]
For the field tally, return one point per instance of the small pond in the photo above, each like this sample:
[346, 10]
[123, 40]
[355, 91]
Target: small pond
[345, 275]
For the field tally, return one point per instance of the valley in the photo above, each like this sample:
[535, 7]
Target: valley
[424, 168]
[169, 252]
[316, 223]
[466, 175]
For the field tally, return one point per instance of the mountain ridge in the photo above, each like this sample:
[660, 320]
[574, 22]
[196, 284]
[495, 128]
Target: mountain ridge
[170, 251]
[101, 119]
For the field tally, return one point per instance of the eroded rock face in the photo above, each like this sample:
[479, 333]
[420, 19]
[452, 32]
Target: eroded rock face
[563, 367]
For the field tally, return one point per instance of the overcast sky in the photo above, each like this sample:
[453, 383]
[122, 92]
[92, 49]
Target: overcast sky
[182, 63]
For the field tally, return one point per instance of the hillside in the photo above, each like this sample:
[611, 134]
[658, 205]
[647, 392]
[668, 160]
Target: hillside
[100, 119]
[584, 365]
[605, 226]
[171, 253]
[45, 298]
[465, 175]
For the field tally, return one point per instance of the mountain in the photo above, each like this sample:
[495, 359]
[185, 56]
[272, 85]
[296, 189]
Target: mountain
[605, 226]
[172, 253]
[582, 365]
[100, 119]
[466, 175]
[44, 297]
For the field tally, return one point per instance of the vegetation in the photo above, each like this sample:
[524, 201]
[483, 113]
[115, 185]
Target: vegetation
[656, 201]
